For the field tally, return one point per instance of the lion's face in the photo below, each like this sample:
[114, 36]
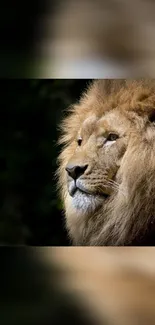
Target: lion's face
[103, 166]
[93, 167]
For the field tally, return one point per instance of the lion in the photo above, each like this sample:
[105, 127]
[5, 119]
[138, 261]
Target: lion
[106, 173]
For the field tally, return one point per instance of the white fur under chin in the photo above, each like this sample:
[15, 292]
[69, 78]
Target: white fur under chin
[86, 202]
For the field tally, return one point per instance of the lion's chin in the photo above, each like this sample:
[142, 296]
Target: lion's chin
[87, 202]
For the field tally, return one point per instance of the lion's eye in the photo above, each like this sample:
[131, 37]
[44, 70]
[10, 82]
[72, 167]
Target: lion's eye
[79, 141]
[112, 137]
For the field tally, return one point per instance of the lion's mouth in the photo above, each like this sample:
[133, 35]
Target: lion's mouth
[74, 187]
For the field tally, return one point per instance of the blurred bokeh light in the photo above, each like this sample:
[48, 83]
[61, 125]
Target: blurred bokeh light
[98, 39]
[78, 39]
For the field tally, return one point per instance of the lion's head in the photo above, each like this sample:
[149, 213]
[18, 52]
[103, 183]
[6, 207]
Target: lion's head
[107, 165]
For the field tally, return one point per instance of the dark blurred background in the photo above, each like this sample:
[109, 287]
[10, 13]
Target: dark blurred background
[30, 292]
[31, 110]
[18, 21]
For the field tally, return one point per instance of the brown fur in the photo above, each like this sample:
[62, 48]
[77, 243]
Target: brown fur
[125, 170]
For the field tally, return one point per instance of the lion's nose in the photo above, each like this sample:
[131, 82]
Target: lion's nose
[75, 171]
